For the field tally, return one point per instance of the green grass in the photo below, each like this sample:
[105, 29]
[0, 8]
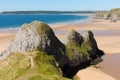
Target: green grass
[14, 66]
[74, 49]
[115, 12]
[41, 27]
[35, 65]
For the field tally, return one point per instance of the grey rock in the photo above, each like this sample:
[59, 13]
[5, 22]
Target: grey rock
[36, 35]
[90, 41]
[72, 36]
[73, 39]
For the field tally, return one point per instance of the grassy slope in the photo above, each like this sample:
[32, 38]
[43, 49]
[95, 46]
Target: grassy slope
[116, 12]
[74, 47]
[35, 65]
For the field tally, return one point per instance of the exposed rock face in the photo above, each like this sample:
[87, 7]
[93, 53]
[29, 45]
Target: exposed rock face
[81, 51]
[91, 42]
[36, 35]
[73, 41]
[75, 36]
[79, 48]
[113, 15]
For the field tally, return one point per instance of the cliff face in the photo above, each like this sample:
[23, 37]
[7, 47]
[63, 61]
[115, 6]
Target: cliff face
[36, 52]
[36, 35]
[112, 15]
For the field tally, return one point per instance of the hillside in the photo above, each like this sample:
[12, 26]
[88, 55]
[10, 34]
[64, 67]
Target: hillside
[112, 15]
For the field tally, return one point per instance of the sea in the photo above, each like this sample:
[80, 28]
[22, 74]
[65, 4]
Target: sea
[16, 20]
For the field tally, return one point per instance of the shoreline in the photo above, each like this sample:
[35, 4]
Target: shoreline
[88, 17]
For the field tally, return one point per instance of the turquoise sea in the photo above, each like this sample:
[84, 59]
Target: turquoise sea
[13, 21]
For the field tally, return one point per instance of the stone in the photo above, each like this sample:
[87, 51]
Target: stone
[36, 35]
[73, 48]
[91, 42]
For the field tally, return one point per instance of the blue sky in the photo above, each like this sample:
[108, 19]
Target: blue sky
[59, 5]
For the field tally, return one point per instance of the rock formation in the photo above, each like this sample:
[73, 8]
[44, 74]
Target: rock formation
[112, 15]
[36, 35]
[37, 48]
[91, 43]
[80, 50]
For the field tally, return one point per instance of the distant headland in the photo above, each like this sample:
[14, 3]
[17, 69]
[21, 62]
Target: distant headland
[46, 12]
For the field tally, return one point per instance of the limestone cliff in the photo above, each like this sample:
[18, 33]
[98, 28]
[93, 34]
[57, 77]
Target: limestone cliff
[36, 35]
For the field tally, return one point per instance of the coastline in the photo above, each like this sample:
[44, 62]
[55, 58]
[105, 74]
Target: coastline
[53, 25]
[106, 35]
[7, 34]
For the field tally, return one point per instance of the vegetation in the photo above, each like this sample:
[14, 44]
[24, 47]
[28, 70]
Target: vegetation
[115, 12]
[74, 50]
[102, 14]
[35, 65]
[43, 28]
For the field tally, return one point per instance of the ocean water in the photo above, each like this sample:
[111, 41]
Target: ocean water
[13, 21]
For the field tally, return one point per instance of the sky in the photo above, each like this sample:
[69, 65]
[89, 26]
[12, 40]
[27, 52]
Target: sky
[58, 5]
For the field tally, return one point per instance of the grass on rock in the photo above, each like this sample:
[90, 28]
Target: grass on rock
[35, 65]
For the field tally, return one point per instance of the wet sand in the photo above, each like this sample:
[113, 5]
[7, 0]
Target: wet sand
[111, 65]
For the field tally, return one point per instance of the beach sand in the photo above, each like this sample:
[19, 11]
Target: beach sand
[5, 38]
[107, 35]
[92, 73]
[111, 65]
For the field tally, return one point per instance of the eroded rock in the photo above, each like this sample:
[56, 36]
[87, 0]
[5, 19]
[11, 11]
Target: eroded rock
[36, 35]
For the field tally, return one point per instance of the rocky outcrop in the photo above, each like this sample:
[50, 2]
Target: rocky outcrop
[73, 42]
[80, 48]
[36, 35]
[92, 47]
[37, 43]
[101, 15]
[113, 15]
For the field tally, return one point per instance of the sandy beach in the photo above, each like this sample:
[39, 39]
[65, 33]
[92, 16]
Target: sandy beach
[111, 65]
[5, 38]
[107, 35]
